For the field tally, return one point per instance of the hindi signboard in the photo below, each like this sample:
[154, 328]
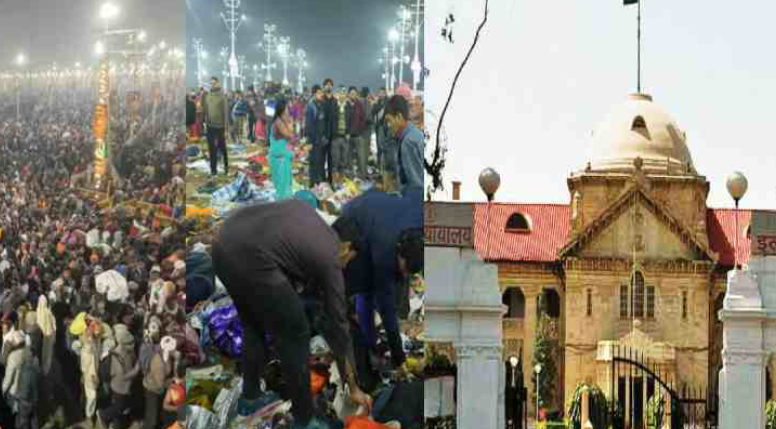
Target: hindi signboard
[763, 233]
[449, 224]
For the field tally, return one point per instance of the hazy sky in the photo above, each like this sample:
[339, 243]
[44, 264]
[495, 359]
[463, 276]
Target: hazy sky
[547, 72]
[65, 30]
[343, 38]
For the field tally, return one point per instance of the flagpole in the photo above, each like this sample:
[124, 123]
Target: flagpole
[638, 37]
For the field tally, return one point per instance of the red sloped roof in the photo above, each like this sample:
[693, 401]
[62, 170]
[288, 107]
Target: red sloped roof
[721, 224]
[550, 229]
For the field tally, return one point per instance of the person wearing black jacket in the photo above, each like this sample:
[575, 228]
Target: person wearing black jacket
[340, 143]
[330, 105]
[315, 130]
[261, 252]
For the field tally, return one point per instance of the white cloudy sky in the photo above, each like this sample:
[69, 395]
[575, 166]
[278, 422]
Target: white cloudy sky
[547, 71]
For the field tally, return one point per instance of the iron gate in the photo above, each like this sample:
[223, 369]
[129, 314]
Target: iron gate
[641, 391]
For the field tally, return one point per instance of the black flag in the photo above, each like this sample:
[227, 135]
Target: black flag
[629, 2]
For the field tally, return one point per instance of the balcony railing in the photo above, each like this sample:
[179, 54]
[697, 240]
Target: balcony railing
[513, 328]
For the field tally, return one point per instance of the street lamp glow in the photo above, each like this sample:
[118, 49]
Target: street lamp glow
[142, 36]
[20, 60]
[163, 45]
[393, 35]
[108, 11]
[99, 48]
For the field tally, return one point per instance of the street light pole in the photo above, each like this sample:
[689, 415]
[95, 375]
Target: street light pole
[269, 40]
[405, 15]
[233, 20]
[737, 186]
[416, 60]
[198, 47]
[284, 47]
[393, 36]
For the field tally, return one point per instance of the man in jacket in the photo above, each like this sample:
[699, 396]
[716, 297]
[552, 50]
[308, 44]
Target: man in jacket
[123, 370]
[330, 106]
[240, 113]
[388, 240]
[358, 128]
[411, 140]
[316, 118]
[20, 383]
[215, 108]
[340, 142]
[250, 98]
[260, 271]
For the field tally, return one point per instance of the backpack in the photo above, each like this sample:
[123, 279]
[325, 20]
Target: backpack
[103, 371]
[147, 352]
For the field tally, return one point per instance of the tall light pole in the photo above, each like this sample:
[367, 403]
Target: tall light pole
[224, 54]
[200, 50]
[404, 20]
[284, 50]
[490, 181]
[737, 186]
[537, 370]
[301, 64]
[20, 61]
[269, 40]
[416, 67]
[393, 37]
[386, 60]
[255, 76]
[233, 19]
[241, 61]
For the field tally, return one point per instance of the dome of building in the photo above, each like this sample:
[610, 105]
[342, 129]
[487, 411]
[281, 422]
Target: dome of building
[639, 128]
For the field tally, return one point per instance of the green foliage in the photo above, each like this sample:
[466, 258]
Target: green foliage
[599, 407]
[544, 352]
[656, 408]
[770, 415]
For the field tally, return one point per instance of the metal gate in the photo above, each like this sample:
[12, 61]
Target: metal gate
[642, 396]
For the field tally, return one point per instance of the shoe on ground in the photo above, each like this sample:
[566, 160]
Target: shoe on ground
[248, 407]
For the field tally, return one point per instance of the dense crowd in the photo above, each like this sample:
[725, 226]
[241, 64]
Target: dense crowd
[92, 282]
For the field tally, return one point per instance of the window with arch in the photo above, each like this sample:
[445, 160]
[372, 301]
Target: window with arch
[518, 222]
[637, 283]
[551, 303]
[638, 123]
[514, 299]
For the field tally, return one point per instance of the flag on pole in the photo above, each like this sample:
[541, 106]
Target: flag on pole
[629, 2]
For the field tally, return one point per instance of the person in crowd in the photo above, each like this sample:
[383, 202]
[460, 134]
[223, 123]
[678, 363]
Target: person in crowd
[411, 141]
[124, 367]
[251, 99]
[281, 156]
[386, 147]
[316, 135]
[215, 108]
[389, 241]
[340, 142]
[160, 370]
[262, 272]
[330, 109]
[20, 382]
[358, 126]
[240, 115]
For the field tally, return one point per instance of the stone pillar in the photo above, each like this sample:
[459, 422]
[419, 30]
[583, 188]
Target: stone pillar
[742, 378]
[463, 306]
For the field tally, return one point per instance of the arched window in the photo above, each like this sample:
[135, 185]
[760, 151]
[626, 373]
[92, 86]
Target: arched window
[637, 285]
[514, 299]
[638, 123]
[518, 222]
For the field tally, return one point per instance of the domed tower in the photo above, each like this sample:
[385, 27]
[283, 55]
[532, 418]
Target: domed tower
[639, 144]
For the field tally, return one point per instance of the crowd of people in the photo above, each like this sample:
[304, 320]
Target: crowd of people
[298, 287]
[92, 280]
[339, 125]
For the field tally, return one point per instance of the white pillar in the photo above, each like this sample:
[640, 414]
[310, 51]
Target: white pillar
[742, 378]
[463, 306]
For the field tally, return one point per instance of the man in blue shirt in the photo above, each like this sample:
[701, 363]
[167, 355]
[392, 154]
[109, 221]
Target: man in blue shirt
[388, 241]
[411, 142]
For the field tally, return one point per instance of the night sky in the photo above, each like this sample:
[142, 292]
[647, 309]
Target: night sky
[65, 30]
[343, 38]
